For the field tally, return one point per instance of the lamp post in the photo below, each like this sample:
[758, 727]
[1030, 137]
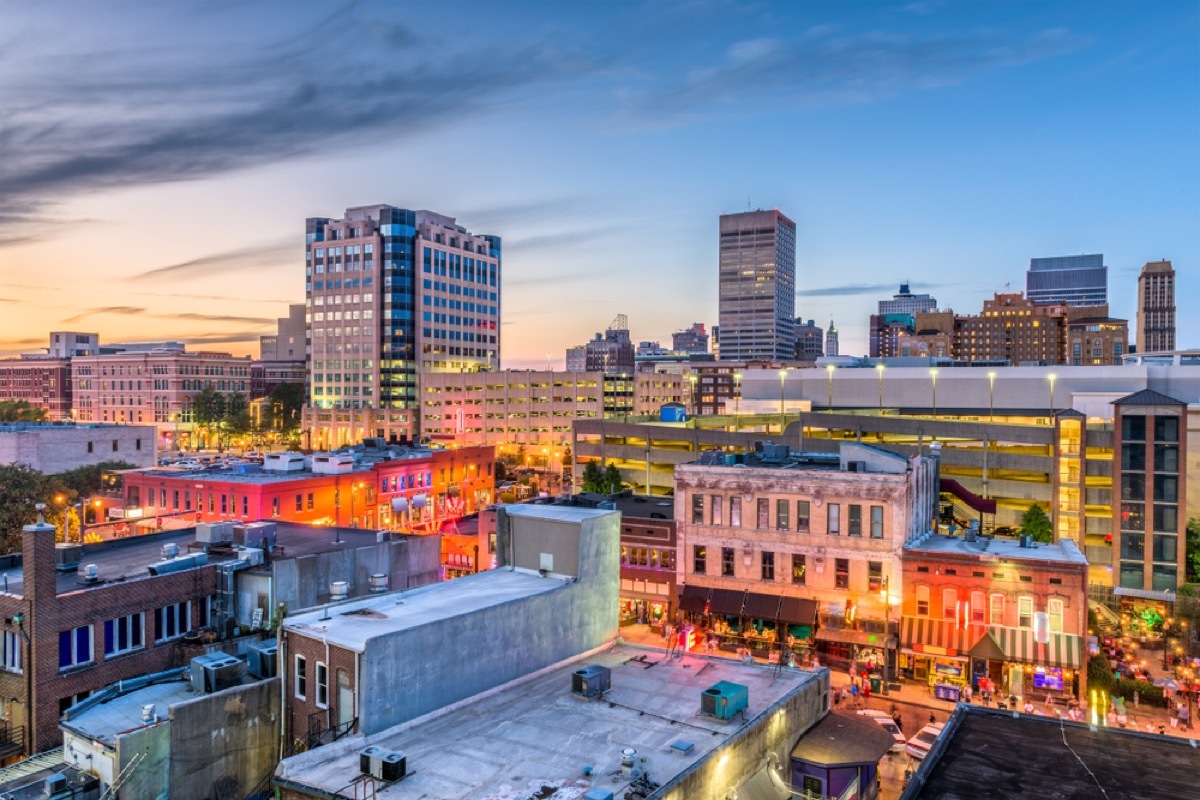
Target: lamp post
[737, 401]
[1051, 377]
[353, 491]
[782, 381]
[933, 382]
[879, 369]
[887, 624]
[829, 368]
[991, 397]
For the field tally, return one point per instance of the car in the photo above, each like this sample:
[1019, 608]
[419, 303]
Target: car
[885, 721]
[919, 746]
[189, 463]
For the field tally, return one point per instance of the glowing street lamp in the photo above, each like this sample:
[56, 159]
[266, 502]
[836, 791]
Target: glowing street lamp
[933, 373]
[991, 397]
[829, 368]
[1051, 377]
[879, 369]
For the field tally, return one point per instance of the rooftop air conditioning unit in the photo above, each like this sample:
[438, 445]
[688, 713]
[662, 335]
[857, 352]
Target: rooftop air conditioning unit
[724, 700]
[382, 764]
[591, 681]
[89, 573]
[214, 532]
[67, 556]
[261, 657]
[169, 551]
[213, 672]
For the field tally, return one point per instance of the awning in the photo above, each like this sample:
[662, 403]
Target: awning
[694, 598]
[850, 637]
[1144, 594]
[726, 602]
[935, 637]
[799, 611]
[988, 647]
[1063, 650]
[762, 606]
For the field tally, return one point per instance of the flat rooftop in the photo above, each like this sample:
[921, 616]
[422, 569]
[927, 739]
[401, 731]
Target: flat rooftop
[39, 427]
[532, 735]
[633, 506]
[354, 623]
[1065, 551]
[993, 754]
[123, 714]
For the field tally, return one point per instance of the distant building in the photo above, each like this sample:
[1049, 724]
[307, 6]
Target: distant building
[895, 319]
[831, 341]
[1156, 308]
[267, 376]
[690, 340]
[67, 344]
[577, 358]
[287, 343]
[1069, 280]
[42, 381]
[757, 289]
[905, 302]
[810, 341]
[54, 447]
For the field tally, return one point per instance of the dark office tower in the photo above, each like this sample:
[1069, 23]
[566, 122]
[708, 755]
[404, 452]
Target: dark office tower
[391, 293]
[1156, 308]
[757, 294]
[1070, 280]
[810, 341]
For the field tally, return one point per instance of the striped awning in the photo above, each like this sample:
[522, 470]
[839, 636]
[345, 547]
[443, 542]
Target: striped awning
[935, 637]
[1063, 650]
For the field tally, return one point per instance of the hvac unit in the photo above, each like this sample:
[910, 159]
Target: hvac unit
[382, 764]
[591, 681]
[214, 532]
[67, 556]
[724, 700]
[261, 657]
[213, 672]
[255, 534]
[190, 561]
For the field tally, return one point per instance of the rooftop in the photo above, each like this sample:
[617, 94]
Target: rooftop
[352, 624]
[996, 549]
[843, 737]
[123, 713]
[631, 505]
[37, 427]
[532, 737]
[1027, 756]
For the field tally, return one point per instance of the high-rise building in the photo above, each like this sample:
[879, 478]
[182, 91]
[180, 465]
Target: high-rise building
[690, 340]
[1156, 308]
[393, 292]
[611, 351]
[831, 340]
[1070, 280]
[287, 344]
[905, 302]
[757, 294]
[810, 341]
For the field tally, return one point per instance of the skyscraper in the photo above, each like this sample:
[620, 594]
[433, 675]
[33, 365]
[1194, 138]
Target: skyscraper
[895, 319]
[393, 292]
[831, 340]
[757, 294]
[1156, 308]
[1070, 280]
[810, 340]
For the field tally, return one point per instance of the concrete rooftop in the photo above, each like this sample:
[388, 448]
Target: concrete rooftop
[513, 743]
[124, 714]
[352, 624]
[1065, 551]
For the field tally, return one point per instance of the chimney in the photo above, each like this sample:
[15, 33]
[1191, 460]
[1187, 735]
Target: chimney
[37, 555]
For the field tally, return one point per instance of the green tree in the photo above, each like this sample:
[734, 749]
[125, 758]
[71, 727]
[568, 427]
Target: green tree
[501, 472]
[21, 488]
[612, 479]
[1035, 523]
[84, 481]
[593, 479]
[237, 414]
[568, 458]
[208, 407]
[1192, 551]
[21, 411]
[286, 403]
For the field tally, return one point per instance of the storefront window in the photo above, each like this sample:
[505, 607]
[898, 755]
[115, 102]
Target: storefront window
[735, 512]
[697, 509]
[876, 522]
[799, 568]
[1024, 611]
[996, 612]
[699, 559]
[841, 575]
[855, 520]
[802, 516]
[922, 601]
[768, 566]
[727, 562]
[715, 502]
[834, 519]
[781, 515]
[1048, 678]
[1054, 610]
[624, 555]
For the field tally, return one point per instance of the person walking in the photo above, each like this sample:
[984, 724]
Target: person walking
[1136, 699]
[866, 692]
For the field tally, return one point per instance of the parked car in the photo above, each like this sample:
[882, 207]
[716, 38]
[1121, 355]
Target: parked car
[920, 745]
[189, 463]
[885, 721]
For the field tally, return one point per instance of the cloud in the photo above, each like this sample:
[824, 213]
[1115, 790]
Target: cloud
[860, 288]
[128, 311]
[221, 297]
[271, 254]
[141, 311]
[825, 67]
[560, 240]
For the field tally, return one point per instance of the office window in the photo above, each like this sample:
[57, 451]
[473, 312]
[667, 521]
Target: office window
[700, 559]
[799, 568]
[173, 621]
[833, 518]
[1024, 611]
[123, 634]
[1166, 429]
[763, 509]
[697, 509]
[1165, 547]
[855, 520]
[727, 562]
[922, 595]
[978, 608]
[841, 578]
[321, 674]
[802, 516]
[11, 658]
[876, 522]
[768, 566]
[75, 647]
[715, 509]
[781, 515]
[1133, 429]
[996, 611]
[1054, 610]
[949, 604]
[301, 677]
[735, 512]
[874, 575]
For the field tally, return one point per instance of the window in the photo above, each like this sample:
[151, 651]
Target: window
[1133, 429]
[310, 498]
[841, 577]
[802, 516]
[274, 506]
[874, 575]
[978, 608]
[715, 500]
[171, 622]
[700, 559]
[1166, 429]
[763, 510]
[322, 679]
[1024, 611]
[727, 562]
[996, 612]
[781, 515]
[799, 568]
[123, 634]
[876, 522]
[949, 604]
[833, 519]
[75, 647]
[855, 520]
[301, 677]
[1165, 547]
[922, 601]
[299, 502]
[735, 512]
[697, 509]
[1054, 609]
[768, 566]
[10, 659]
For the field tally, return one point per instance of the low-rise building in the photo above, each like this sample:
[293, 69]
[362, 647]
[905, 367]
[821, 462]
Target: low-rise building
[54, 447]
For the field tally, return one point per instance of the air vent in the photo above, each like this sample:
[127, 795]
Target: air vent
[591, 681]
[382, 764]
[724, 700]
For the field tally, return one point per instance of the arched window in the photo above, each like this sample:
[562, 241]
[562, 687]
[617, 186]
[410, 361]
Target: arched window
[949, 604]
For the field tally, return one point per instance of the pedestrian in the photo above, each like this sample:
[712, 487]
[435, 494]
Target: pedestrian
[854, 694]
[896, 718]
[932, 719]
[1174, 714]
[1185, 716]
[1136, 699]
[866, 692]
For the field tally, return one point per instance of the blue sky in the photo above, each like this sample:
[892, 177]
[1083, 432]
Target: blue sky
[159, 159]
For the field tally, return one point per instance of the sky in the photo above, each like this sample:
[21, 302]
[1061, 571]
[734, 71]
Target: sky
[158, 160]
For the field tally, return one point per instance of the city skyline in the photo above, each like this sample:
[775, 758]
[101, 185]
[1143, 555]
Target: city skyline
[966, 139]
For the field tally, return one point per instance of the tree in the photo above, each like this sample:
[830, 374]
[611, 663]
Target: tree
[501, 471]
[21, 411]
[612, 479]
[593, 479]
[567, 459]
[1192, 550]
[286, 403]
[1035, 523]
[84, 481]
[21, 488]
[237, 414]
[208, 407]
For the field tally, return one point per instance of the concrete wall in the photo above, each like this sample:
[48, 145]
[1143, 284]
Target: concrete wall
[59, 449]
[774, 730]
[421, 669]
[559, 540]
[150, 777]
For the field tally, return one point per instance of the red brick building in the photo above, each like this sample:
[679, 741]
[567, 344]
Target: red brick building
[992, 608]
[42, 381]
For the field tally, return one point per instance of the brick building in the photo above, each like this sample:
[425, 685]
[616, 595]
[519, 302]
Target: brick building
[992, 608]
[42, 381]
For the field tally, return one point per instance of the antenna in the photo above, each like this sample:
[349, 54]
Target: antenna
[621, 323]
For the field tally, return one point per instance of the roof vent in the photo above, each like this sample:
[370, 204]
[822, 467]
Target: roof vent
[338, 590]
[379, 583]
[89, 573]
[149, 713]
[169, 551]
[591, 681]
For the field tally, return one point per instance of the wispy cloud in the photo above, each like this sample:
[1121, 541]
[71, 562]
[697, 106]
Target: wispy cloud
[142, 311]
[127, 311]
[283, 252]
[848, 289]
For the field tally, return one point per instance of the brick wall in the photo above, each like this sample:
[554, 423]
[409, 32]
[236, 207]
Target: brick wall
[301, 710]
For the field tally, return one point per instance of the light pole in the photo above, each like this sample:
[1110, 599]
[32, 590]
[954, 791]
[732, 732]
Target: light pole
[991, 397]
[879, 369]
[782, 381]
[933, 382]
[829, 368]
[737, 401]
[353, 491]
[1051, 377]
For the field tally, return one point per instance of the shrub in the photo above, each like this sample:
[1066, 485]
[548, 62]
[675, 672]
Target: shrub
[1125, 687]
[1099, 673]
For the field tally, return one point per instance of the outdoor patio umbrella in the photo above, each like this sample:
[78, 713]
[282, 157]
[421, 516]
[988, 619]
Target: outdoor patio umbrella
[1167, 683]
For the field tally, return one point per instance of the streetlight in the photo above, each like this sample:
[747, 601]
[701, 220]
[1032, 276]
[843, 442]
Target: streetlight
[933, 381]
[782, 380]
[737, 400]
[829, 368]
[353, 491]
[1051, 377]
[879, 369]
[991, 397]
